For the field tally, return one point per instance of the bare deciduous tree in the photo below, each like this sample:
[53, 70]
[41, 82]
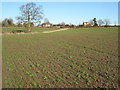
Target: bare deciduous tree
[62, 23]
[107, 22]
[7, 22]
[100, 22]
[91, 22]
[30, 13]
[46, 20]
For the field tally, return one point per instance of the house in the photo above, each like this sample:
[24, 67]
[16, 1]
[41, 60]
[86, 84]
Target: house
[47, 24]
[87, 24]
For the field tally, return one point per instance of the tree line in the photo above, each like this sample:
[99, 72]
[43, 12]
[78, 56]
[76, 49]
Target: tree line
[8, 22]
[100, 22]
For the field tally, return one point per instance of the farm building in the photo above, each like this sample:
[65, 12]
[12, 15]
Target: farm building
[85, 23]
[47, 24]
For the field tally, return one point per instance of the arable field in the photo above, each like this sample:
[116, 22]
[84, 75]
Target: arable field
[75, 58]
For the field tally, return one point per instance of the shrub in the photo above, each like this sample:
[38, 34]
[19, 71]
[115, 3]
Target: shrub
[18, 31]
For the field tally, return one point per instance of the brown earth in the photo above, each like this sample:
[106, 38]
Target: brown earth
[56, 30]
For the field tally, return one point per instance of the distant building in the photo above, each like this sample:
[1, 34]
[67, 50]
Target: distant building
[87, 24]
[47, 24]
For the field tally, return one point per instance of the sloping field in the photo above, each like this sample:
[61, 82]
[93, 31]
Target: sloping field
[75, 58]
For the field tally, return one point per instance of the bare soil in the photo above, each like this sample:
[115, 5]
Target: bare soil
[56, 30]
